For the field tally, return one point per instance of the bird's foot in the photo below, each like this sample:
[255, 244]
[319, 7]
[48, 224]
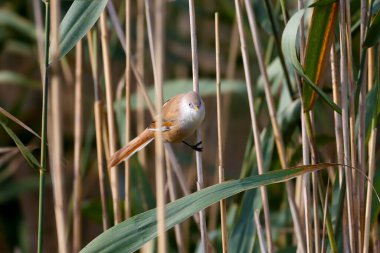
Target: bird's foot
[196, 147]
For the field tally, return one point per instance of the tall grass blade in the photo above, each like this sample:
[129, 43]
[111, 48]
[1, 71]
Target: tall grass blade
[131, 234]
[29, 157]
[318, 46]
[289, 39]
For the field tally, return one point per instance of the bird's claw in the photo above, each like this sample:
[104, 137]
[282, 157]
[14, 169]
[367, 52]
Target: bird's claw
[196, 146]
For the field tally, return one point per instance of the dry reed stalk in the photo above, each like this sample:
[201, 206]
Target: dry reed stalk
[198, 155]
[172, 195]
[260, 233]
[159, 148]
[78, 137]
[56, 152]
[110, 115]
[304, 139]
[353, 136]
[98, 109]
[127, 203]
[223, 211]
[337, 116]
[230, 74]
[306, 185]
[345, 119]
[256, 133]
[361, 131]
[140, 39]
[371, 173]
[371, 158]
[276, 129]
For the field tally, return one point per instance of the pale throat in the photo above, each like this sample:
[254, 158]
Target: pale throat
[190, 115]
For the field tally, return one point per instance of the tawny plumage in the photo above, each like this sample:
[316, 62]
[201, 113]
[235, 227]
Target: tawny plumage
[181, 116]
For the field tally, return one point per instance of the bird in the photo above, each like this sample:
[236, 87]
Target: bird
[181, 116]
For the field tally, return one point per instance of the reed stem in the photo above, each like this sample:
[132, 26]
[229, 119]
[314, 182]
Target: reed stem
[198, 155]
[223, 211]
[110, 116]
[127, 203]
[159, 148]
[43, 155]
[77, 218]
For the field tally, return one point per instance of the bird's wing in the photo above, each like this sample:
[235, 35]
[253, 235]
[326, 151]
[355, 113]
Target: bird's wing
[170, 110]
[166, 126]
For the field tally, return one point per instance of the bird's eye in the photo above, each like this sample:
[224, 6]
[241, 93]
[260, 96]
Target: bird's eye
[190, 104]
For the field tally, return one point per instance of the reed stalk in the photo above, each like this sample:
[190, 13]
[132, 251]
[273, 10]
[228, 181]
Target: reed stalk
[55, 135]
[98, 112]
[304, 139]
[345, 119]
[56, 145]
[78, 137]
[223, 211]
[371, 158]
[140, 39]
[361, 130]
[159, 148]
[172, 195]
[43, 154]
[256, 133]
[260, 232]
[337, 116]
[198, 155]
[127, 203]
[110, 116]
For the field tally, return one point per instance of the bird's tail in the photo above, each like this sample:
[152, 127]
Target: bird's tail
[132, 147]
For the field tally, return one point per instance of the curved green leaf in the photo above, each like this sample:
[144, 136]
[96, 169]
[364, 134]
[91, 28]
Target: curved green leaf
[288, 44]
[29, 157]
[133, 233]
[78, 20]
[317, 53]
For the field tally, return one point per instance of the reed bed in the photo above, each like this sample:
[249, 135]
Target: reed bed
[300, 96]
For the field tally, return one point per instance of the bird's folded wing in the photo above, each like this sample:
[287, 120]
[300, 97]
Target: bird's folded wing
[166, 126]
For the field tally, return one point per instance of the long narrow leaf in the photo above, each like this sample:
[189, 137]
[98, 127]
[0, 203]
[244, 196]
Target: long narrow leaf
[29, 157]
[318, 46]
[133, 233]
[288, 43]
[78, 20]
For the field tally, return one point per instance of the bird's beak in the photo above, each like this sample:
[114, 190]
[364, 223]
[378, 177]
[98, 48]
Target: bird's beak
[196, 108]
